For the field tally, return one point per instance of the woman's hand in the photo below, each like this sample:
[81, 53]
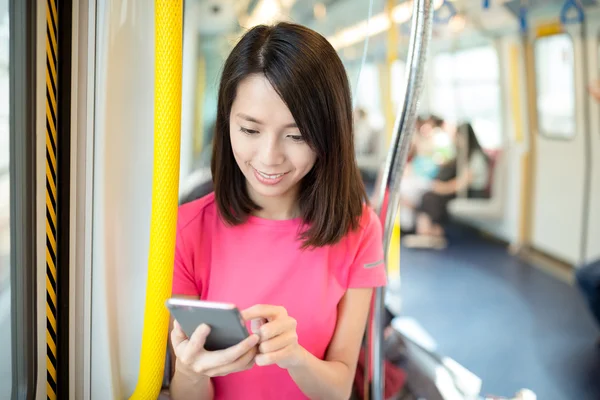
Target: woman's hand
[278, 337]
[194, 361]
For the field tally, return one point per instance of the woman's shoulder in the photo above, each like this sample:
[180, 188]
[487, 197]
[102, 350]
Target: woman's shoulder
[196, 212]
[369, 225]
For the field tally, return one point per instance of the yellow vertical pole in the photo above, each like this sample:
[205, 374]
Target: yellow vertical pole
[393, 41]
[391, 56]
[527, 162]
[515, 94]
[165, 181]
[199, 106]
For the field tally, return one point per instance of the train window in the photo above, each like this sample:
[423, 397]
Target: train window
[398, 82]
[466, 87]
[5, 233]
[367, 95]
[555, 84]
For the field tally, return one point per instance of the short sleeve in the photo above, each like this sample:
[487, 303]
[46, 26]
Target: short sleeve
[368, 267]
[184, 277]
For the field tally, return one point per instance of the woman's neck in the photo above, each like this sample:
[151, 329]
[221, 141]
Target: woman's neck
[282, 207]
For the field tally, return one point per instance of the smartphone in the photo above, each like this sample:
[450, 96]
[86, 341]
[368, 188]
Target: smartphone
[227, 327]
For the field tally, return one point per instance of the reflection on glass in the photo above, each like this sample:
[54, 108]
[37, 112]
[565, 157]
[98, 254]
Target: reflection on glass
[5, 320]
[555, 84]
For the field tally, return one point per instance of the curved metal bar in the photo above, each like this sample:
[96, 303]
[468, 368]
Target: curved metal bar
[389, 191]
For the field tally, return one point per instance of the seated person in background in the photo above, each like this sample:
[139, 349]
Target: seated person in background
[363, 133]
[451, 180]
[368, 148]
[433, 146]
[418, 174]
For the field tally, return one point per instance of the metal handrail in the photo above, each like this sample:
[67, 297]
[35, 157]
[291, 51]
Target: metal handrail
[392, 173]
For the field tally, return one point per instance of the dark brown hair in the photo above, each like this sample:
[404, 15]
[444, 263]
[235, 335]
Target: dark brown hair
[310, 78]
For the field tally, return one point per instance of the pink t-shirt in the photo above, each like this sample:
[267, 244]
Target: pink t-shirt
[260, 262]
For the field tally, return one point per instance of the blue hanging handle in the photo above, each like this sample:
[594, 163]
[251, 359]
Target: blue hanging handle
[523, 18]
[486, 4]
[577, 19]
[451, 10]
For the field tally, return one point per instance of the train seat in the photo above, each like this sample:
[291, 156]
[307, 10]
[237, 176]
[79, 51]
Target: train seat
[488, 208]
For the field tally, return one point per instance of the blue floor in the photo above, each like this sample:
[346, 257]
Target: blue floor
[508, 322]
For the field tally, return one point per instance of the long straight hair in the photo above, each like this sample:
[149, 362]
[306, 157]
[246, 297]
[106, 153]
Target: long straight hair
[310, 78]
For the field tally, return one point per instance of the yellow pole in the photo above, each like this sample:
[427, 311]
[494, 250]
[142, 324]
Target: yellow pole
[199, 106]
[392, 55]
[528, 158]
[393, 41]
[165, 181]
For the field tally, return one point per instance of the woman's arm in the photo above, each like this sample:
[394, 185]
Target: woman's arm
[332, 378]
[454, 185]
[190, 387]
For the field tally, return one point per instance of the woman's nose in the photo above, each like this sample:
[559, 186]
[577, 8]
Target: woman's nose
[272, 153]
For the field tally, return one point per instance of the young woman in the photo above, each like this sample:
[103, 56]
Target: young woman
[473, 178]
[287, 235]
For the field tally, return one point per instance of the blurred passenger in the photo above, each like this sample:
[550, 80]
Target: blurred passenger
[423, 167]
[367, 146]
[418, 174]
[452, 178]
[364, 134]
[286, 235]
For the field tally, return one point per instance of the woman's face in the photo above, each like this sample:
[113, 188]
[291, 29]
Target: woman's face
[267, 145]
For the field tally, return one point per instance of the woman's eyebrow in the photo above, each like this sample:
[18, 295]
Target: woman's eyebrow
[256, 121]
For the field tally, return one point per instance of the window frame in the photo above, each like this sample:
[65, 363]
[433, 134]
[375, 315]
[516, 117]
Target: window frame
[22, 165]
[540, 131]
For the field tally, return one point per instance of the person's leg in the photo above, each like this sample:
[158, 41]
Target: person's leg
[424, 224]
[428, 234]
[437, 230]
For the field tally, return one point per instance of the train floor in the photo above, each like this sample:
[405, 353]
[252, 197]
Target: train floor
[510, 323]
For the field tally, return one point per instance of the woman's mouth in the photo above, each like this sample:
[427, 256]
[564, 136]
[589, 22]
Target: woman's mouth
[268, 179]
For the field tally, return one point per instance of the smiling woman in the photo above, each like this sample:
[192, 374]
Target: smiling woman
[287, 75]
[289, 199]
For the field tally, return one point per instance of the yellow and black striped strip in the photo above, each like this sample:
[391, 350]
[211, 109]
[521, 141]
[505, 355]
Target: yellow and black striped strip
[51, 197]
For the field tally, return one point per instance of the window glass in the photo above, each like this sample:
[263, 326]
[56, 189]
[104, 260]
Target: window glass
[555, 84]
[398, 78]
[5, 306]
[466, 88]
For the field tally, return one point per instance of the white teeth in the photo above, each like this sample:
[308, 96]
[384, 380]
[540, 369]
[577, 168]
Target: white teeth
[269, 176]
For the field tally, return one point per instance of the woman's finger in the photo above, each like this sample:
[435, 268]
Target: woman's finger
[246, 361]
[198, 339]
[278, 342]
[263, 311]
[271, 358]
[255, 324]
[177, 335]
[277, 327]
[231, 354]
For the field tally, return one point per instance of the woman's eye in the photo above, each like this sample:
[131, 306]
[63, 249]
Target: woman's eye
[248, 131]
[296, 138]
